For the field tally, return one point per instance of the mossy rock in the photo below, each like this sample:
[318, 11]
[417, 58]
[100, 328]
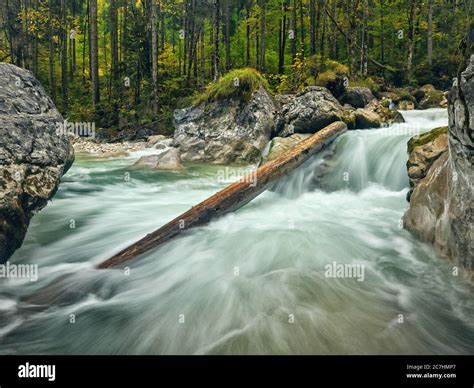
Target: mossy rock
[252, 155]
[349, 118]
[419, 140]
[238, 83]
[432, 99]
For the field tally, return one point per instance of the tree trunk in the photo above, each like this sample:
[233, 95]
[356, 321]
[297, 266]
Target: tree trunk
[94, 53]
[353, 36]
[430, 32]
[302, 32]
[364, 37]
[114, 42]
[227, 34]
[52, 82]
[411, 39]
[216, 56]
[312, 27]
[247, 33]
[232, 197]
[262, 35]
[382, 37]
[162, 25]
[64, 73]
[282, 38]
[154, 55]
[293, 27]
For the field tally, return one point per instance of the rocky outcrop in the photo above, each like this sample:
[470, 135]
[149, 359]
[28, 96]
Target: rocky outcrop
[357, 97]
[441, 206]
[308, 111]
[423, 151]
[387, 116]
[428, 97]
[33, 154]
[167, 160]
[226, 131]
[365, 119]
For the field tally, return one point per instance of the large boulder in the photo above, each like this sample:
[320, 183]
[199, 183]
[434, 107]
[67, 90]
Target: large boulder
[357, 97]
[309, 111]
[428, 97]
[33, 154]
[226, 131]
[387, 116]
[365, 118]
[442, 205]
[167, 160]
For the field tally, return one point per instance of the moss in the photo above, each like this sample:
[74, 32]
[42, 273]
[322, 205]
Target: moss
[349, 118]
[432, 98]
[419, 140]
[238, 83]
[368, 82]
[252, 155]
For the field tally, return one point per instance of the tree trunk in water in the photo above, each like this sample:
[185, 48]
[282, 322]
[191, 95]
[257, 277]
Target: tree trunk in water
[94, 53]
[233, 197]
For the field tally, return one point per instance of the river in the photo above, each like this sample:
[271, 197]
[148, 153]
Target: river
[252, 282]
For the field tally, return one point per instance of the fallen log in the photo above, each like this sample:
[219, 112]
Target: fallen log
[232, 197]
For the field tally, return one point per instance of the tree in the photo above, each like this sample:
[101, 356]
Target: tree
[154, 53]
[64, 62]
[94, 55]
[411, 39]
[262, 35]
[430, 32]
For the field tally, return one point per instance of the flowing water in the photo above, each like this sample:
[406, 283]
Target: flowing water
[252, 282]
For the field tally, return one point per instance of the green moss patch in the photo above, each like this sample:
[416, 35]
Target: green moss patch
[238, 83]
[419, 140]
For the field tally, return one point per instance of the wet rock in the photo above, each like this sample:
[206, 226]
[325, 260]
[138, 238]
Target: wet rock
[167, 160]
[229, 131]
[33, 154]
[357, 97]
[365, 119]
[442, 205]
[309, 111]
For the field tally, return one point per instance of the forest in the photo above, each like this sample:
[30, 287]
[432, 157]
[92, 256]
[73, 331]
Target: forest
[126, 63]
